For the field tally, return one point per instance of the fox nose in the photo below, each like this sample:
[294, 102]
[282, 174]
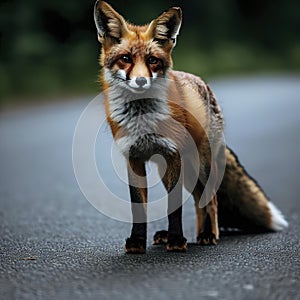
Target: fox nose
[141, 81]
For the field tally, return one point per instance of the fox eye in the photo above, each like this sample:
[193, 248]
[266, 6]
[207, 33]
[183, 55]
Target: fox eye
[152, 60]
[126, 59]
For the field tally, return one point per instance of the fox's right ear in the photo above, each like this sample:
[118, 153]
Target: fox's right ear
[109, 23]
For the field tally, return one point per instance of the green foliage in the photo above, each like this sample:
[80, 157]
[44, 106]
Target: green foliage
[50, 47]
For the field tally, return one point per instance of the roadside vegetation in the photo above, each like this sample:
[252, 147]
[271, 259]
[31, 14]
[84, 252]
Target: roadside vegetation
[49, 49]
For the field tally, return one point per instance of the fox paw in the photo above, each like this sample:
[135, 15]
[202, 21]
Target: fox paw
[160, 237]
[176, 244]
[135, 245]
[206, 238]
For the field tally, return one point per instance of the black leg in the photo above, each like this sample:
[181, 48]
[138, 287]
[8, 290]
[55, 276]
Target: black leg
[173, 183]
[136, 243]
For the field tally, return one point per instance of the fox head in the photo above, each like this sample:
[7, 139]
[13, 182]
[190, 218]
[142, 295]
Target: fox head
[135, 55]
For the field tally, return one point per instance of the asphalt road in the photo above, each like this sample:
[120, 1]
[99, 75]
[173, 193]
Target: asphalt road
[55, 245]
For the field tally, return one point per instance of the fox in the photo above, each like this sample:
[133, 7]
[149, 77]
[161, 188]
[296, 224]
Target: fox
[135, 60]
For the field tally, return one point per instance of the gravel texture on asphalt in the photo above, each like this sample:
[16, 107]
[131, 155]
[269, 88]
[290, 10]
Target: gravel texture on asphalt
[55, 245]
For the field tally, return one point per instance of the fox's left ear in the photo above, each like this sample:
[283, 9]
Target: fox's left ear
[166, 27]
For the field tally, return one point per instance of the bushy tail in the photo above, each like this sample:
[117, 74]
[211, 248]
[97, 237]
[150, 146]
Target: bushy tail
[243, 204]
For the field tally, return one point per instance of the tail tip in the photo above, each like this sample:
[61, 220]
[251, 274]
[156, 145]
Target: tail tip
[278, 221]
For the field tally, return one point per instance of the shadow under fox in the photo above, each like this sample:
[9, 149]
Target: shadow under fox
[135, 61]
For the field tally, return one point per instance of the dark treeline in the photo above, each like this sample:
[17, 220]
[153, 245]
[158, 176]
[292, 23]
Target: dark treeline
[51, 47]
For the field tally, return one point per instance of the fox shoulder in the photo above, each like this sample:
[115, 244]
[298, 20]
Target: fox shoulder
[199, 87]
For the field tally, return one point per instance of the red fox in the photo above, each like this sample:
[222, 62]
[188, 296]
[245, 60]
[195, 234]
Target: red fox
[134, 59]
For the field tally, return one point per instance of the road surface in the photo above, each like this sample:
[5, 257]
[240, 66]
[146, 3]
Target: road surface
[56, 245]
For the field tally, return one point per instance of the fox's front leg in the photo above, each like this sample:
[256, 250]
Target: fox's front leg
[136, 243]
[172, 180]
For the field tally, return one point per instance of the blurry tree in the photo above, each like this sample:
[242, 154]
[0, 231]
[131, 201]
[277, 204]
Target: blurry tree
[51, 47]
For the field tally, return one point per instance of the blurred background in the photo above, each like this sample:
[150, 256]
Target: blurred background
[49, 48]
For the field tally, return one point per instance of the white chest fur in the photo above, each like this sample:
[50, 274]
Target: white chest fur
[140, 119]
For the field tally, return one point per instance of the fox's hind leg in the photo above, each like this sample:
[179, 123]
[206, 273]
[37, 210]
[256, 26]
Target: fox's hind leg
[207, 223]
[160, 237]
[207, 228]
